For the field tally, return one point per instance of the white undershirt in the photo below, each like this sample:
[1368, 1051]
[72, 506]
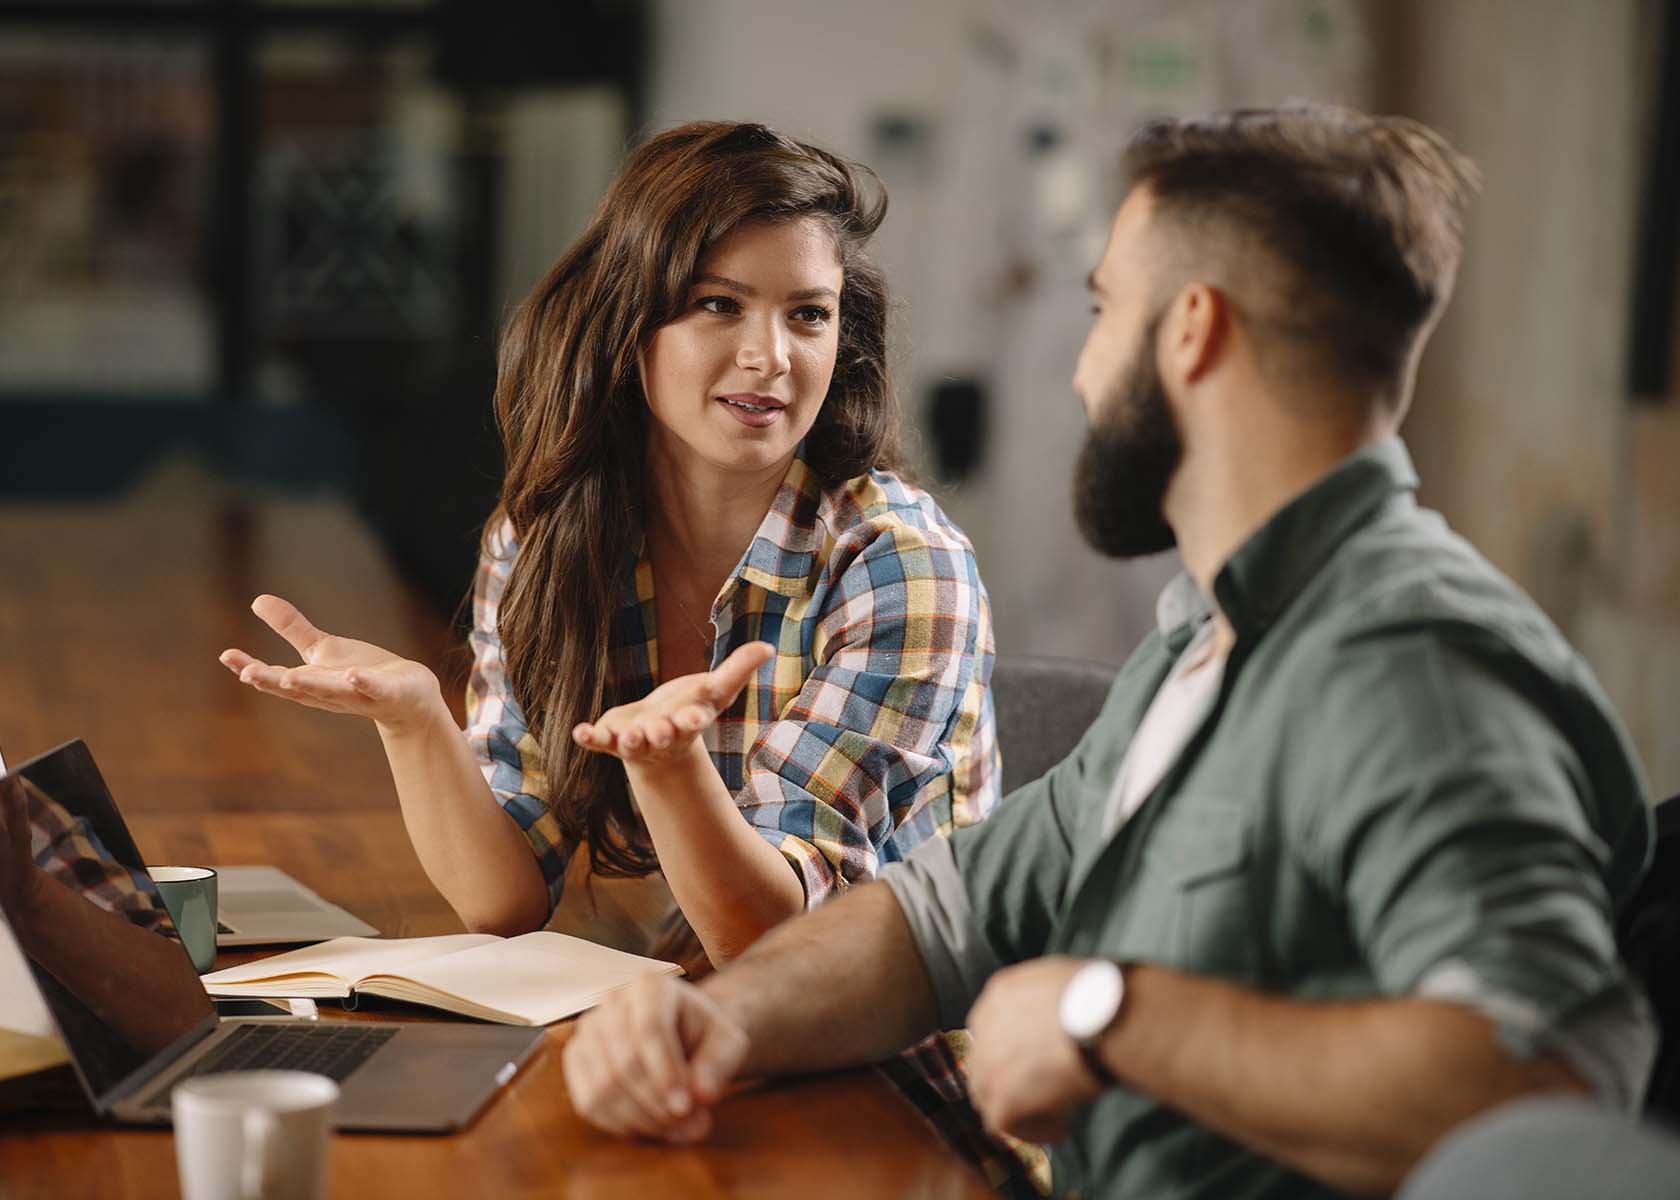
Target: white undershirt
[1181, 704]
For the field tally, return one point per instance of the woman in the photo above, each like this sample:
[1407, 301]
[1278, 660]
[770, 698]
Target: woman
[697, 419]
[715, 637]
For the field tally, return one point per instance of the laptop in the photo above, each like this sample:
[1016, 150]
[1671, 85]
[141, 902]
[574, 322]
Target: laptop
[264, 906]
[114, 982]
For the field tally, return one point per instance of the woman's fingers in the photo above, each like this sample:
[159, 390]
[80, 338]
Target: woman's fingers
[315, 686]
[283, 617]
[644, 728]
[236, 660]
[692, 718]
[725, 683]
[593, 737]
[377, 686]
[642, 734]
[317, 681]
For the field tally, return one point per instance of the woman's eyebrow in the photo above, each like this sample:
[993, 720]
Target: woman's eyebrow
[735, 285]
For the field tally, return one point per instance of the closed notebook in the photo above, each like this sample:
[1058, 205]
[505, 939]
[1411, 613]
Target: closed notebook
[533, 979]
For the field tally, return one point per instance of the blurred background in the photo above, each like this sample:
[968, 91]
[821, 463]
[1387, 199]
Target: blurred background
[270, 244]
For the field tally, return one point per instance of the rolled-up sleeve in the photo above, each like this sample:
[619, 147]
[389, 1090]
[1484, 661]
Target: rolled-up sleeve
[954, 952]
[868, 744]
[506, 751]
[1473, 875]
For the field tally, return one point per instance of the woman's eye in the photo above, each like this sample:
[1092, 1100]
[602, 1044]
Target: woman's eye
[719, 304]
[813, 314]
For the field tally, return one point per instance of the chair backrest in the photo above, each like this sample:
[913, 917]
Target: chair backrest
[1549, 1148]
[1648, 934]
[1044, 705]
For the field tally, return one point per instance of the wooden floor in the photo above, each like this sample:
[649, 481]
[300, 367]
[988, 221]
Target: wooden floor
[111, 618]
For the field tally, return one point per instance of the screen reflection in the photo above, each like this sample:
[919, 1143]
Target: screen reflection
[94, 929]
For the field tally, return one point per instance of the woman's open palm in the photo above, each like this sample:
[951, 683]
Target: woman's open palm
[338, 674]
[665, 723]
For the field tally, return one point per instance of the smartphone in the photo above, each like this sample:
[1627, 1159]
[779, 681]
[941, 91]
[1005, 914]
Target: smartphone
[269, 1010]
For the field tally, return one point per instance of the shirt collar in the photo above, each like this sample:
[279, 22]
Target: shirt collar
[782, 557]
[1279, 559]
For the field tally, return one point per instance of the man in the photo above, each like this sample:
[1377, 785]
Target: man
[1335, 868]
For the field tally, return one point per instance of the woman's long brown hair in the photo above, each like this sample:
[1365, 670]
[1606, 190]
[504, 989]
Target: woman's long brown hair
[572, 415]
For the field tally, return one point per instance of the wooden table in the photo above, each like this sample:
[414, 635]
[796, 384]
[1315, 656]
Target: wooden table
[111, 618]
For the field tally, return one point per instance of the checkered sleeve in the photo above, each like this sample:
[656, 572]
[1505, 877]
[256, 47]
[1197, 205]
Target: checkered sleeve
[868, 744]
[68, 850]
[506, 751]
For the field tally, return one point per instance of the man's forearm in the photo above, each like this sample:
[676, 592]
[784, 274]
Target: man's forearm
[839, 986]
[1351, 1093]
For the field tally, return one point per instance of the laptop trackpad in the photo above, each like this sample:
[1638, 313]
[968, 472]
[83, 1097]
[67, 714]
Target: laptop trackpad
[432, 1076]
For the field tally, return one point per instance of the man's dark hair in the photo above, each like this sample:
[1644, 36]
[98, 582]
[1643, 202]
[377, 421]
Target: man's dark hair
[1334, 231]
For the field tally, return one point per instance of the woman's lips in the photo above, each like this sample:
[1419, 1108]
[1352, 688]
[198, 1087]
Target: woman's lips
[753, 411]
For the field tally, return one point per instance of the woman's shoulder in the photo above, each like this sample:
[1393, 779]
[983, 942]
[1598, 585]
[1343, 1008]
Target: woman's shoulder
[500, 542]
[884, 504]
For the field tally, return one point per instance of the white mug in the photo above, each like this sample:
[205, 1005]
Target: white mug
[253, 1135]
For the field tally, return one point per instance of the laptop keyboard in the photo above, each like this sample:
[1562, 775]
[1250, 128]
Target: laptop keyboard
[334, 1049]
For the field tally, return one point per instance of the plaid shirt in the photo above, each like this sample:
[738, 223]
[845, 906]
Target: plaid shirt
[870, 730]
[68, 850]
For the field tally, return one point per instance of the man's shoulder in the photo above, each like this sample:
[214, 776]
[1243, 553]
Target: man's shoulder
[1423, 655]
[1410, 581]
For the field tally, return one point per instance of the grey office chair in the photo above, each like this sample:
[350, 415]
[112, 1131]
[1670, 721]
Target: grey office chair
[1550, 1148]
[1648, 936]
[1044, 705]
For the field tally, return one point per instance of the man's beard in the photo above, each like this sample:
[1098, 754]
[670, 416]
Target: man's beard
[1126, 463]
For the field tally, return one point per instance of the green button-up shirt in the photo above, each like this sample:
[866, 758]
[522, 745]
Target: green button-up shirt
[1408, 784]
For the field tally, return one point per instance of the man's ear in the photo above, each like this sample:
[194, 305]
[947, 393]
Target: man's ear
[1197, 330]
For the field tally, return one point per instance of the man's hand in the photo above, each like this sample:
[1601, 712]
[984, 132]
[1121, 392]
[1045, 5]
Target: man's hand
[1024, 1072]
[667, 723]
[652, 1060]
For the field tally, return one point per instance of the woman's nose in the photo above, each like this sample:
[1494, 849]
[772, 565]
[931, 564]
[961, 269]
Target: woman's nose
[763, 348]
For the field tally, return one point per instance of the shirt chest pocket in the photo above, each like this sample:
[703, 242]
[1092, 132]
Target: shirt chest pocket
[1201, 858]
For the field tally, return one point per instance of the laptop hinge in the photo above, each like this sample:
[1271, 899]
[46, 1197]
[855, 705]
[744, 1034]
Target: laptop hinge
[156, 1064]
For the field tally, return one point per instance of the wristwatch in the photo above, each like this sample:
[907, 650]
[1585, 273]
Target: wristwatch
[1090, 1004]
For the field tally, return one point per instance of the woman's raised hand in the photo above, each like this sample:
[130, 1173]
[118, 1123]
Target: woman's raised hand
[338, 674]
[669, 720]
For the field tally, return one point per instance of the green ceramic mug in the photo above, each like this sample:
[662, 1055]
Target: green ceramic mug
[190, 895]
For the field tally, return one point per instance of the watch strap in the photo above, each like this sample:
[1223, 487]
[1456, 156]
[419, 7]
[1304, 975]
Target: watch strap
[1090, 1053]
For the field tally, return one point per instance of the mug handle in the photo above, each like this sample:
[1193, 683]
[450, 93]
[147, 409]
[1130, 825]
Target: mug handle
[261, 1126]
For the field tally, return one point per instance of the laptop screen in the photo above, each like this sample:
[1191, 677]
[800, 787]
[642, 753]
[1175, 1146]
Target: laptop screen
[100, 945]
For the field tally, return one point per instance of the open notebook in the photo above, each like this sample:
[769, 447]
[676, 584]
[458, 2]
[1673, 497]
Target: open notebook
[533, 979]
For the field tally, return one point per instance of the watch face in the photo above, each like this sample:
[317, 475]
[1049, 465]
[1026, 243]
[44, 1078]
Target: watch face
[1091, 1000]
